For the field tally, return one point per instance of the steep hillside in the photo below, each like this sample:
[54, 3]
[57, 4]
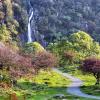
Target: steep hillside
[52, 19]
[58, 18]
[13, 20]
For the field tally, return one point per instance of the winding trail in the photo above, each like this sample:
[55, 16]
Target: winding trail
[74, 87]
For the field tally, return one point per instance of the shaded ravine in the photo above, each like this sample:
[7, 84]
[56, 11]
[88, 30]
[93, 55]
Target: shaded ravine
[74, 87]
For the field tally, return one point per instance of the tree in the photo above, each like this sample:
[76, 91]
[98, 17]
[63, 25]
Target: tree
[92, 65]
[44, 60]
[84, 45]
[15, 64]
[80, 43]
[32, 48]
[81, 40]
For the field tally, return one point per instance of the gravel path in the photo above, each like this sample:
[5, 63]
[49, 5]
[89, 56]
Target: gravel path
[74, 87]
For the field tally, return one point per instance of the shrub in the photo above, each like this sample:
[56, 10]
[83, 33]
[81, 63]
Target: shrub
[16, 65]
[44, 60]
[32, 48]
[92, 65]
[4, 34]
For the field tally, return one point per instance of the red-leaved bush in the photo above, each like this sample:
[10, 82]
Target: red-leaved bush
[43, 60]
[19, 65]
[16, 64]
[92, 65]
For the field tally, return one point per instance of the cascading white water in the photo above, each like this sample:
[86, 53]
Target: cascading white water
[33, 34]
[29, 27]
[51, 1]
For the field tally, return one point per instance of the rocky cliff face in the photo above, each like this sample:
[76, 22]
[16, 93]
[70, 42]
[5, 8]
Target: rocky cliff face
[54, 19]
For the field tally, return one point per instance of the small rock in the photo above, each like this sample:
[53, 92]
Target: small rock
[58, 96]
[97, 90]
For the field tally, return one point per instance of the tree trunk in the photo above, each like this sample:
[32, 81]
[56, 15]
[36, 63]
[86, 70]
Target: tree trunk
[13, 96]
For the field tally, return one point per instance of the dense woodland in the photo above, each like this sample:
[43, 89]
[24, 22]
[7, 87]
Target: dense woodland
[65, 35]
[54, 19]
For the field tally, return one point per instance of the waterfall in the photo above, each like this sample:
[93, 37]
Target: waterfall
[33, 34]
[29, 27]
[51, 1]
